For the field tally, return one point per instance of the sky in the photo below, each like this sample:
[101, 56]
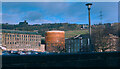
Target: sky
[119, 11]
[58, 12]
[60, 0]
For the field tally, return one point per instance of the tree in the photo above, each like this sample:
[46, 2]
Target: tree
[102, 40]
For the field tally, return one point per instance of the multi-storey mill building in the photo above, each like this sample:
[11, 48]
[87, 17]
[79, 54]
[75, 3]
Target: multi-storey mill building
[21, 40]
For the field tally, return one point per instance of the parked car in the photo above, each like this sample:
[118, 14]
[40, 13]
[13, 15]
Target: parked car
[34, 52]
[28, 53]
[14, 52]
[22, 53]
[5, 53]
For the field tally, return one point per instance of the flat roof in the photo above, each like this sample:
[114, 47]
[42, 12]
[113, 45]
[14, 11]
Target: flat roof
[19, 32]
[55, 31]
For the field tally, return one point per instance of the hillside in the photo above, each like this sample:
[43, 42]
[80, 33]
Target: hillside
[73, 33]
[70, 29]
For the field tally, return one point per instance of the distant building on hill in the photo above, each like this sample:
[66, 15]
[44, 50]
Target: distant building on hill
[23, 23]
[79, 43]
[84, 26]
[21, 40]
[108, 25]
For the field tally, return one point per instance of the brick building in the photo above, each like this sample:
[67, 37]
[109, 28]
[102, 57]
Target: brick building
[0, 51]
[21, 40]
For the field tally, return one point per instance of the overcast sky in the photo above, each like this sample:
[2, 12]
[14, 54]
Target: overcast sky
[58, 12]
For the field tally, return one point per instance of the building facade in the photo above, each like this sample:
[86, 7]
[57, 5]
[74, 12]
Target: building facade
[77, 44]
[21, 40]
[84, 26]
[0, 51]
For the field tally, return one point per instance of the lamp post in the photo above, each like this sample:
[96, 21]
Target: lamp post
[89, 7]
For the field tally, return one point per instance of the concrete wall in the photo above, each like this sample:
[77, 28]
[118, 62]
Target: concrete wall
[107, 59]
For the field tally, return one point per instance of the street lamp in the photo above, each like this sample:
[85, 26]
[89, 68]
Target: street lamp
[89, 7]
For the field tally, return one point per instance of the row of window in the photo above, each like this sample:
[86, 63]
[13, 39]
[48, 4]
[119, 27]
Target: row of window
[21, 47]
[69, 41]
[21, 36]
[23, 39]
[85, 41]
[73, 50]
[19, 42]
[11, 35]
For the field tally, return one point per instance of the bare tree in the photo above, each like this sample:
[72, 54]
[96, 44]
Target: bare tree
[102, 40]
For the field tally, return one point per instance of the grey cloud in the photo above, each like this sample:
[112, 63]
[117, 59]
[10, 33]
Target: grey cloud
[33, 16]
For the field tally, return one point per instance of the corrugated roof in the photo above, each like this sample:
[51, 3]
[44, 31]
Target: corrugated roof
[79, 36]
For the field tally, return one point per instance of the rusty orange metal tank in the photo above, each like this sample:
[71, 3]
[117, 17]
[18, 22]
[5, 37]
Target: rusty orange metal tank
[55, 41]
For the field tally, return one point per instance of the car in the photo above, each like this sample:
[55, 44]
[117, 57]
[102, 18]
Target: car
[34, 52]
[5, 53]
[14, 52]
[28, 53]
[22, 53]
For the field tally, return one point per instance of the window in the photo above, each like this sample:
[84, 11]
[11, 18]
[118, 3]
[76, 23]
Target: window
[5, 35]
[39, 44]
[17, 35]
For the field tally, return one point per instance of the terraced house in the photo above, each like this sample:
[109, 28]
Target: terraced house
[21, 40]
